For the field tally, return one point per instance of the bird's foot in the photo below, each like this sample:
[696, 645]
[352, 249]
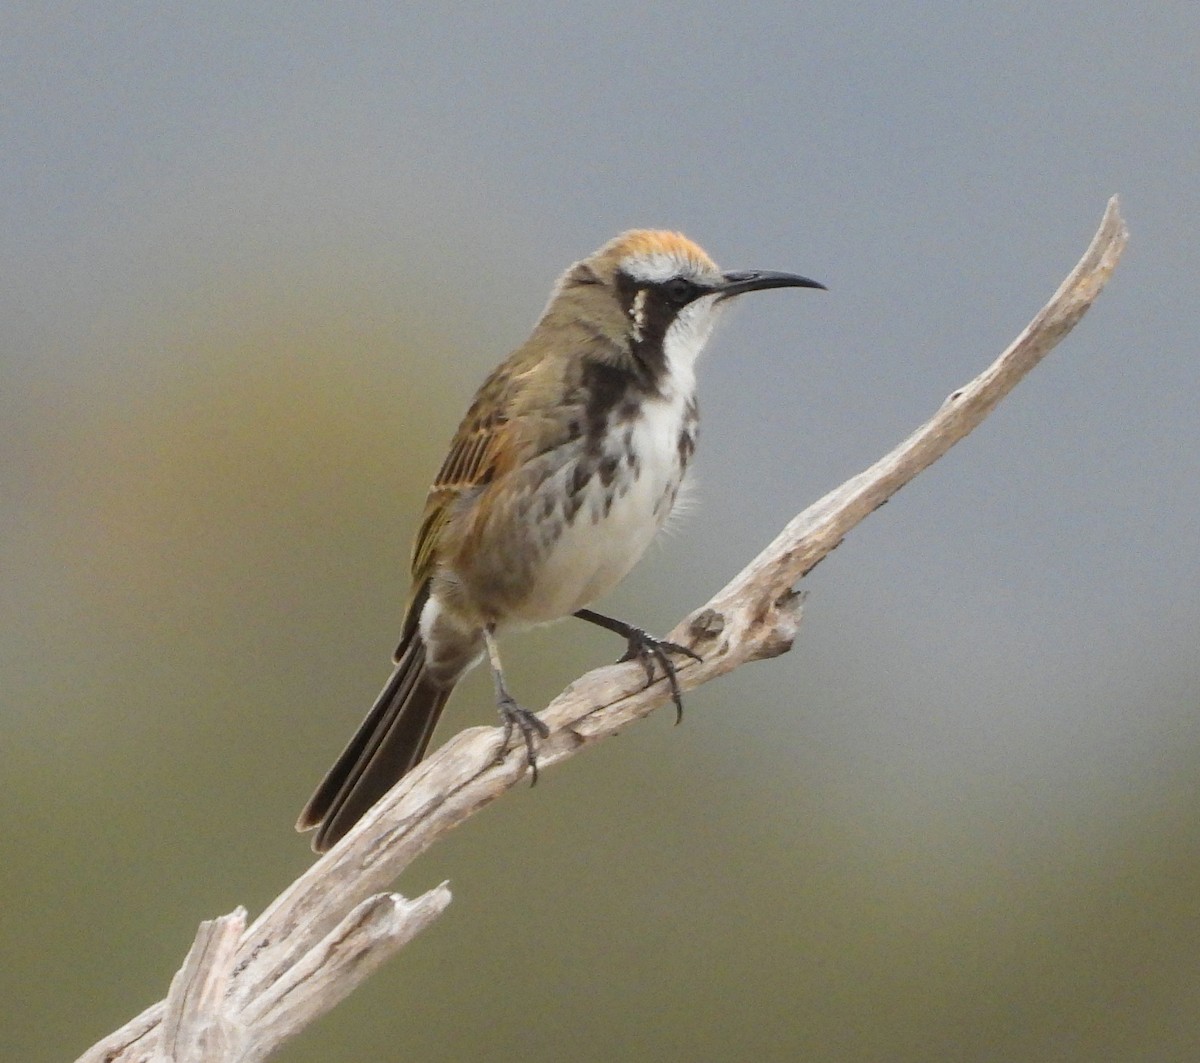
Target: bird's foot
[517, 718]
[650, 651]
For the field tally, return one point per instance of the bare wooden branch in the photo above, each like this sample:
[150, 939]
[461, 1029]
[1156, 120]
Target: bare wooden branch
[196, 1026]
[376, 929]
[217, 1013]
[332, 927]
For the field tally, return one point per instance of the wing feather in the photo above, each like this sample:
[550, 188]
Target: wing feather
[476, 454]
[505, 426]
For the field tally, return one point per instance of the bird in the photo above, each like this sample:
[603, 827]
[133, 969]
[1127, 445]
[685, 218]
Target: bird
[566, 465]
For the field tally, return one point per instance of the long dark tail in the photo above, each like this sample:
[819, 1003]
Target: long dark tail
[389, 743]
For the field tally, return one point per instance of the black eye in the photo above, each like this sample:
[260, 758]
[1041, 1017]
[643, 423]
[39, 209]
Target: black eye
[680, 290]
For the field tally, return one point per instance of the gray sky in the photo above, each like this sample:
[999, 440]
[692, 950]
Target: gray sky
[998, 667]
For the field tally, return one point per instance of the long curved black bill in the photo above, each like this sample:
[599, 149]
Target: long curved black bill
[757, 280]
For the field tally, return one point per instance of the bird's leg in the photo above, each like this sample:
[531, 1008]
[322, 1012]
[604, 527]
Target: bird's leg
[646, 649]
[511, 713]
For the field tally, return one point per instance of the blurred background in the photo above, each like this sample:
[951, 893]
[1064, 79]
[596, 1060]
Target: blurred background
[257, 258]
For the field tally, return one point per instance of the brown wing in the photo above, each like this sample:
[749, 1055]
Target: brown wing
[529, 405]
[477, 454]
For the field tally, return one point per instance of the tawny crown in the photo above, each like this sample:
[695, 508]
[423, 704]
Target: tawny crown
[653, 255]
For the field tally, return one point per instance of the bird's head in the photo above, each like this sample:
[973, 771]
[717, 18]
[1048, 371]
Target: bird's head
[657, 295]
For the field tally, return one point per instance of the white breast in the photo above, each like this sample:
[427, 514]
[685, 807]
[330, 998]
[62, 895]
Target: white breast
[616, 523]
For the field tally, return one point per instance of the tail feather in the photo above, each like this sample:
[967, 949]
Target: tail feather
[389, 743]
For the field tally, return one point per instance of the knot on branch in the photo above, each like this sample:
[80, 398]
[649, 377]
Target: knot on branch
[774, 628]
[705, 626]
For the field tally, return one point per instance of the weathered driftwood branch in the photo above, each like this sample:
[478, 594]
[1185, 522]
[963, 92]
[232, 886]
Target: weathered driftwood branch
[243, 991]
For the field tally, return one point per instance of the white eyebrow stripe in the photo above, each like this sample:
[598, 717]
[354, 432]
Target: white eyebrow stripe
[657, 267]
